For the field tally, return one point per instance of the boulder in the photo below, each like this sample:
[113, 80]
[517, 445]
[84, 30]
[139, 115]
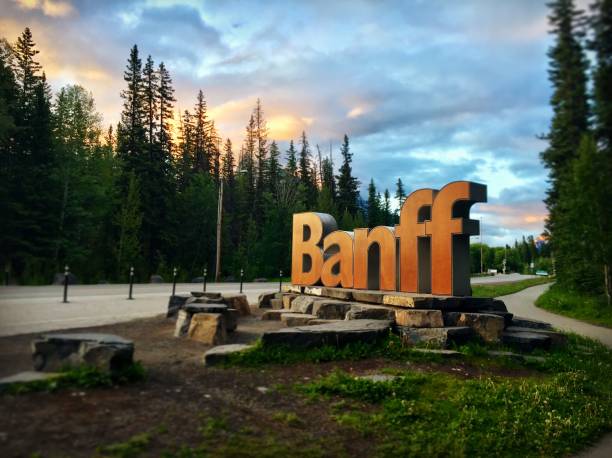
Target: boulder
[208, 328]
[338, 334]
[221, 353]
[276, 304]
[156, 279]
[488, 326]
[442, 337]
[288, 299]
[231, 320]
[273, 315]
[238, 302]
[417, 318]
[557, 339]
[263, 301]
[182, 323]
[296, 319]
[370, 312]
[175, 303]
[526, 341]
[507, 316]
[303, 304]
[105, 351]
[529, 323]
[329, 309]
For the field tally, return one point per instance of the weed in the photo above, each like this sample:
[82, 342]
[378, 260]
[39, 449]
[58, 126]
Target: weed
[128, 449]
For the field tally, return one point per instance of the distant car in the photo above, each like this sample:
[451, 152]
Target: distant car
[542, 273]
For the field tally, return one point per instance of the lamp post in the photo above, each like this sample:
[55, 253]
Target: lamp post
[205, 274]
[174, 281]
[280, 281]
[66, 273]
[131, 282]
[241, 278]
[219, 224]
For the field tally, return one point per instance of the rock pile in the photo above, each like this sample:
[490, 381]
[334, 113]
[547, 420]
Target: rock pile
[206, 316]
[317, 315]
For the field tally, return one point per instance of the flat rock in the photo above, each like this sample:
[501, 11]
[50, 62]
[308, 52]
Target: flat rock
[297, 289]
[338, 293]
[288, 299]
[526, 341]
[204, 300]
[507, 316]
[368, 296]
[273, 315]
[221, 353]
[238, 302]
[303, 304]
[338, 334]
[437, 336]
[556, 338]
[107, 352]
[210, 295]
[208, 328]
[529, 323]
[27, 377]
[417, 318]
[488, 327]
[317, 321]
[182, 323]
[296, 319]
[370, 312]
[263, 301]
[330, 309]
[405, 300]
[276, 303]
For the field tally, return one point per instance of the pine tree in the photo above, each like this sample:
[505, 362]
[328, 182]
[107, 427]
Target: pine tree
[200, 135]
[274, 169]
[128, 221]
[291, 167]
[348, 186]
[306, 174]
[165, 101]
[374, 210]
[150, 90]
[186, 161]
[400, 193]
[387, 214]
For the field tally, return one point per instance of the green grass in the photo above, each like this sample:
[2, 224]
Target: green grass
[80, 377]
[555, 413]
[593, 309]
[503, 289]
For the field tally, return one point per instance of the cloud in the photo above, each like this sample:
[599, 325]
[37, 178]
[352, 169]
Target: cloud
[53, 8]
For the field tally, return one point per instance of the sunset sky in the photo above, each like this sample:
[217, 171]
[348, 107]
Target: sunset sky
[429, 91]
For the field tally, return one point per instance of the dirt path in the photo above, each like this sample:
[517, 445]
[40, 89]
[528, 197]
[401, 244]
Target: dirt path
[523, 304]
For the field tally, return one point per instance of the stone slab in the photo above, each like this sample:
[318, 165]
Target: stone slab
[263, 301]
[296, 319]
[360, 311]
[368, 296]
[182, 323]
[303, 304]
[487, 326]
[436, 336]
[273, 315]
[556, 338]
[231, 319]
[417, 318]
[338, 334]
[507, 316]
[529, 323]
[288, 299]
[276, 303]
[175, 303]
[208, 294]
[238, 302]
[318, 321]
[220, 354]
[330, 309]
[27, 377]
[205, 308]
[297, 289]
[526, 341]
[313, 290]
[208, 328]
[338, 293]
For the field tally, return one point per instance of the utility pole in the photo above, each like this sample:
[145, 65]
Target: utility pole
[481, 263]
[219, 218]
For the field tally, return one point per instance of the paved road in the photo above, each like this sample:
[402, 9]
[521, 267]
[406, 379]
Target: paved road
[522, 304]
[25, 309]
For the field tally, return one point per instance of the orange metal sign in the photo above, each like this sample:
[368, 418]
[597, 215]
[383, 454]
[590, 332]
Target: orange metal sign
[427, 252]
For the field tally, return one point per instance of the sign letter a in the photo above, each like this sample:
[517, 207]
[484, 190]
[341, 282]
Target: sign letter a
[309, 229]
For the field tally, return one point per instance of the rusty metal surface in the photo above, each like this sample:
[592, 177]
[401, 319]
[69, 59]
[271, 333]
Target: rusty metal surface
[338, 265]
[381, 239]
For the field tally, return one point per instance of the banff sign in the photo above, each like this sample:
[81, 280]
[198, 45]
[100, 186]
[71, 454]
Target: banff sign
[427, 252]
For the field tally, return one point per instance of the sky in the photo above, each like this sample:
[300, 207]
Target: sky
[428, 91]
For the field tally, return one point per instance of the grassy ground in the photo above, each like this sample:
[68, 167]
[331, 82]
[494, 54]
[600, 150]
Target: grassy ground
[593, 309]
[502, 289]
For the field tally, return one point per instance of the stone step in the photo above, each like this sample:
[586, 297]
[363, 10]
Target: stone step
[263, 301]
[529, 323]
[556, 338]
[526, 341]
[338, 334]
[210, 295]
[273, 315]
[507, 316]
[318, 321]
[442, 337]
[208, 328]
[205, 308]
[296, 319]
[416, 318]
[237, 301]
[330, 309]
[488, 327]
[220, 354]
[276, 303]
[288, 299]
[360, 311]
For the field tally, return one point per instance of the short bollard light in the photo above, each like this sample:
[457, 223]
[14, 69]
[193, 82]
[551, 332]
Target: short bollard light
[280, 281]
[241, 279]
[131, 282]
[174, 281]
[66, 272]
[205, 274]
